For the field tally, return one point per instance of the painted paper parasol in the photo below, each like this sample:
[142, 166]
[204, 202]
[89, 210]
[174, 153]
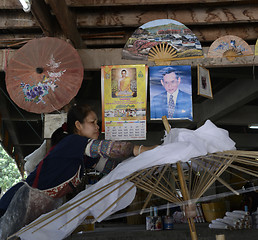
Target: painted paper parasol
[44, 75]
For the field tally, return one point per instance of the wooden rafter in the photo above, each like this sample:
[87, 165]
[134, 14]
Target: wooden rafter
[194, 16]
[233, 96]
[67, 22]
[47, 22]
[96, 3]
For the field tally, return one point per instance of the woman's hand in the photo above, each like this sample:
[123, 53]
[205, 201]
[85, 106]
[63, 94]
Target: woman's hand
[138, 149]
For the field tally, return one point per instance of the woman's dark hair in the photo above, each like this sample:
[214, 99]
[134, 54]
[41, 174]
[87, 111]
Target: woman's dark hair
[77, 113]
[57, 136]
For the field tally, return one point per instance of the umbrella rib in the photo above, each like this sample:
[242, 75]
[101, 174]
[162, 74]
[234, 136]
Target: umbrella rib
[190, 177]
[81, 200]
[245, 170]
[171, 186]
[217, 173]
[202, 179]
[51, 214]
[159, 188]
[236, 175]
[151, 193]
[210, 181]
[205, 179]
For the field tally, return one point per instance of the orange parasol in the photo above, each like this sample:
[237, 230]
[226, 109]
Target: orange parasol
[44, 75]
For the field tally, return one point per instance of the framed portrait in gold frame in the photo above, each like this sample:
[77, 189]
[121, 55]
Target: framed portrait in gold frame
[204, 82]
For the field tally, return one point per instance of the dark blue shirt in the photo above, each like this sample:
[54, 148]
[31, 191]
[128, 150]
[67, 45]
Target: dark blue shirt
[62, 162]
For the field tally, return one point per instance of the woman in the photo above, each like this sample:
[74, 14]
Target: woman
[61, 170]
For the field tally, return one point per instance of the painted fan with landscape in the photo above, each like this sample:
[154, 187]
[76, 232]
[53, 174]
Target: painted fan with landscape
[162, 39]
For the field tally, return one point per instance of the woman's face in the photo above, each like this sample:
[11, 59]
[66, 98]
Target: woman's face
[89, 128]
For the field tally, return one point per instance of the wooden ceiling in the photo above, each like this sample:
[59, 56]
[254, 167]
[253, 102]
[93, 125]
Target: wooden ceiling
[99, 30]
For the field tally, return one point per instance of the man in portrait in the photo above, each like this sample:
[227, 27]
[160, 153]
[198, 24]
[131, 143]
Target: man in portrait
[173, 102]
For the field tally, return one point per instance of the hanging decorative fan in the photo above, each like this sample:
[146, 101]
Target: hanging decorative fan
[163, 38]
[162, 54]
[229, 46]
[256, 47]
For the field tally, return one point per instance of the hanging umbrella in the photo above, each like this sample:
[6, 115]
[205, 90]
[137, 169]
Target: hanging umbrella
[44, 75]
[205, 154]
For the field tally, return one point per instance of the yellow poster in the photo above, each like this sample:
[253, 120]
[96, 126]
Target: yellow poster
[124, 101]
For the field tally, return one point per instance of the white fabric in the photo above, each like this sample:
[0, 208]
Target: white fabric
[179, 144]
[34, 158]
[101, 164]
[87, 149]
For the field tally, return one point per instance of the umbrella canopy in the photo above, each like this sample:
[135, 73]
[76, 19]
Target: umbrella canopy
[44, 75]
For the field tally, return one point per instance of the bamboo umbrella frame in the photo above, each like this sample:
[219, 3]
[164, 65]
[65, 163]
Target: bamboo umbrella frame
[191, 179]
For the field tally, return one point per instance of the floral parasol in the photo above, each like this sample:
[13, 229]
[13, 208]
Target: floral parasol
[44, 75]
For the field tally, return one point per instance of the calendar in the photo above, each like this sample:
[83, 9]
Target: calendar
[124, 101]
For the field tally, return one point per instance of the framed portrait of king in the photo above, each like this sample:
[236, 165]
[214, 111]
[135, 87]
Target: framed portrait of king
[171, 92]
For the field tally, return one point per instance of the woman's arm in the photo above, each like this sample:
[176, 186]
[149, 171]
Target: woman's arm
[138, 149]
[114, 149]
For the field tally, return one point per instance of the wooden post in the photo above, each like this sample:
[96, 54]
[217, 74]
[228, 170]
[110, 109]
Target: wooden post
[183, 186]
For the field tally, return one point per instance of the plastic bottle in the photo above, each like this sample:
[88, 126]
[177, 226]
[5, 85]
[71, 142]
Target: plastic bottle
[149, 220]
[255, 219]
[248, 219]
[157, 220]
[168, 220]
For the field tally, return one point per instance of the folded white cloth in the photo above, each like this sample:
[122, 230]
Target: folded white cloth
[179, 145]
[32, 160]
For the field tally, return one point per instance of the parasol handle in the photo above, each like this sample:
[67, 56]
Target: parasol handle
[166, 124]
[182, 182]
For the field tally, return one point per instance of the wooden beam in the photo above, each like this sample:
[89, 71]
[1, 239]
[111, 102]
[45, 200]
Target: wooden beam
[67, 22]
[230, 98]
[46, 21]
[190, 17]
[17, 20]
[210, 33]
[100, 3]
[113, 56]
[247, 32]
[242, 116]
[10, 4]
[245, 141]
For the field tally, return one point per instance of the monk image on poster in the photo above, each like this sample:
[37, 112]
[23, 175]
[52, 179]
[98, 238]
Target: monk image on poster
[124, 84]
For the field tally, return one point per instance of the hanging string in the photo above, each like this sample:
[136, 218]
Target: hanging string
[5, 58]
[20, 113]
[55, 108]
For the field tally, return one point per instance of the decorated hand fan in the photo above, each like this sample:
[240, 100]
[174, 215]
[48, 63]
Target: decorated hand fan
[164, 39]
[229, 46]
[256, 47]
